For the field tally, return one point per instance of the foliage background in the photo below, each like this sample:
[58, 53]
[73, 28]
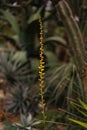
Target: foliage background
[64, 61]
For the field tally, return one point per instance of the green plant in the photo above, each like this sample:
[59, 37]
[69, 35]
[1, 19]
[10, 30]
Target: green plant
[8, 126]
[14, 69]
[67, 11]
[54, 119]
[76, 45]
[75, 37]
[27, 123]
[23, 23]
[63, 82]
[23, 99]
[21, 31]
[23, 38]
[81, 108]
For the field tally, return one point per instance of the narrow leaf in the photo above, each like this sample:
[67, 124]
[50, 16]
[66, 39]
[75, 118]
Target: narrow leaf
[79, 122]
[35, 16]
[56, 39]
[12, 20]
[83, 104]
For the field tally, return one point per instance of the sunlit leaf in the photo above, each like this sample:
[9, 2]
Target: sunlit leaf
[83, 104]
[78, 122]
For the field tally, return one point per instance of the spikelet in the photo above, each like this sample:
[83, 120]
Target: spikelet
[41, 71]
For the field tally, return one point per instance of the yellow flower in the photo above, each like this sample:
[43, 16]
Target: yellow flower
[41, 71]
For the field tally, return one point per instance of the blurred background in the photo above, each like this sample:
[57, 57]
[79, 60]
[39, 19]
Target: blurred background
[19, 61]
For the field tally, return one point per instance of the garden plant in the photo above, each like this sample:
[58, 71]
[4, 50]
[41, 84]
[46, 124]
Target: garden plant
[43, 64]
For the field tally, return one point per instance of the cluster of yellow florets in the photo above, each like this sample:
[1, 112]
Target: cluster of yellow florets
[41, 70]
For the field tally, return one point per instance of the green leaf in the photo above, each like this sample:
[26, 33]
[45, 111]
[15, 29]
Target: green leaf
[36, 123]
[52, 58]
[20, 56]
[35, 16]
[83, 113]
[79, 122]
[56, 39]
[34, 64]
[84, 105]
[12, 20]
[29, 118]
[76, 106]
[23, 120]
[9, 126]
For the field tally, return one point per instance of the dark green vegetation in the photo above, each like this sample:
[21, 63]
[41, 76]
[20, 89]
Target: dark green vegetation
[65, 41]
